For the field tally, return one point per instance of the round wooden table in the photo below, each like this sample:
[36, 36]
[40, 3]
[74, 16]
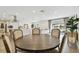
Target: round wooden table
[37, 43]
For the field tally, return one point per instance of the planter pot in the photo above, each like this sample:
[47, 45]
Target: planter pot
[72, 39]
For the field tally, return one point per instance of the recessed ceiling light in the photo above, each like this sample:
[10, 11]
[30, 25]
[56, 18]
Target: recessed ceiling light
[33, 11]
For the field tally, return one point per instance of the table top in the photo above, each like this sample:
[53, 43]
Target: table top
[37, 42]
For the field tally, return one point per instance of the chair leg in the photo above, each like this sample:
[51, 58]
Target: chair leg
[58, 48]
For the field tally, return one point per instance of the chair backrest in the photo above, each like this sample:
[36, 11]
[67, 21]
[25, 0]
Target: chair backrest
[9, 44]
[18, 33]
[62, 43]
[55, 33]
[35, 31]
[20, 27]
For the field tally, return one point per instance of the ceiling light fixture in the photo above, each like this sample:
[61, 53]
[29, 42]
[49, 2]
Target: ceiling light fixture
[33, 11]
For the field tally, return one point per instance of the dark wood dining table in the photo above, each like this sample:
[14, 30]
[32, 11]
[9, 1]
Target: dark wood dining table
[37, 43]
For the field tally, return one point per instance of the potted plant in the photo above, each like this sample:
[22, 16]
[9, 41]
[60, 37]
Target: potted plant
[72, 34]
[72, 24]
[32, 26]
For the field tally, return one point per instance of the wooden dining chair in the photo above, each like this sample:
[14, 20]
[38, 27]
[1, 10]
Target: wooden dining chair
[61, 46]
[9, 44]
[2, 46]
[35, 31]
[55, 33]
[18, 33]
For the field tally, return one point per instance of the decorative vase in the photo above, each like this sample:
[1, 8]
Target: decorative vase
[72, 39]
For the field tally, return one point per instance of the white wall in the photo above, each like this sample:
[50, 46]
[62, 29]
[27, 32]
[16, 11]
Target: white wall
[25, 14]
[43, 24]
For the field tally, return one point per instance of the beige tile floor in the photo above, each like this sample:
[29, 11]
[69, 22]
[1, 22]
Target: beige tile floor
[70, 49]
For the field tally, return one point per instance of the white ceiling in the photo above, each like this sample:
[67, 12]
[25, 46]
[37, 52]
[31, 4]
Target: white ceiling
[32, 13]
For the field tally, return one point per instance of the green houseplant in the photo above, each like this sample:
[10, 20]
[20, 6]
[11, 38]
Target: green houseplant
[72, 24]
